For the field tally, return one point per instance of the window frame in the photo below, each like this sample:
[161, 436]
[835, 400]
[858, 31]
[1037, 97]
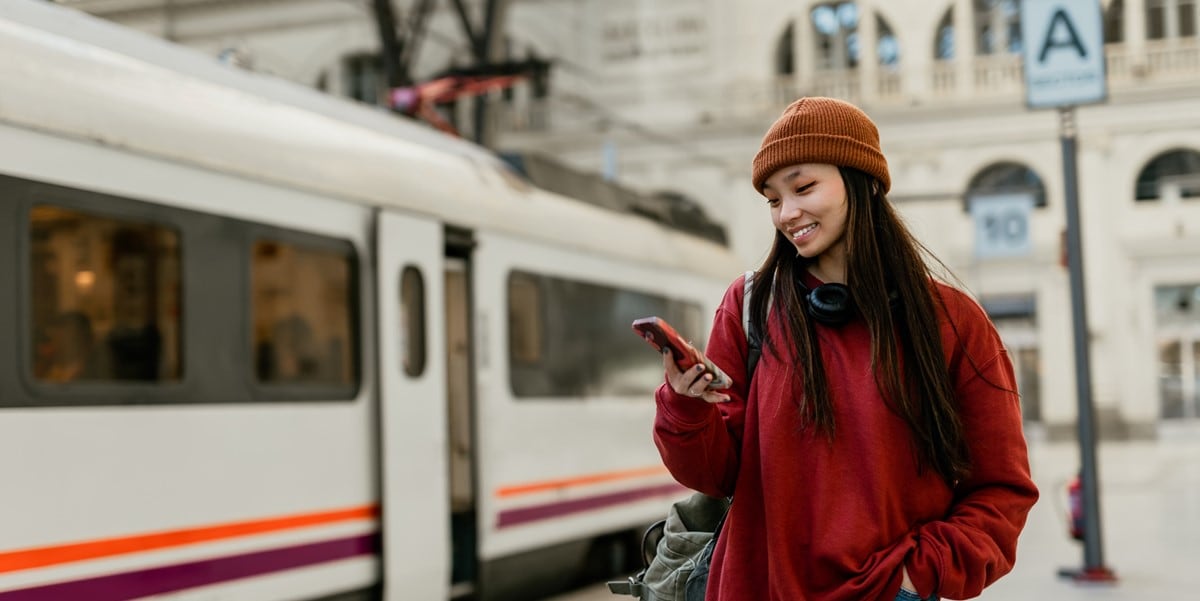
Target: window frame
[1041, 199]
[1158, 198]
[268, 392]
[216, 367]
[39, 393]
[409, 343]
[686, 309]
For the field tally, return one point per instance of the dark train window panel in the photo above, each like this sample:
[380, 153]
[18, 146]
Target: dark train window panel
[302, 324]
[106, 298]
[524, 320]
[412, 321]
[572, 339]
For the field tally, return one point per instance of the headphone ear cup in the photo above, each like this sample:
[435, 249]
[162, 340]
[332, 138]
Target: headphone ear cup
[830, 304]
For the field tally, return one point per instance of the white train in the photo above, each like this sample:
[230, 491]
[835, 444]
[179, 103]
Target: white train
[264, 344]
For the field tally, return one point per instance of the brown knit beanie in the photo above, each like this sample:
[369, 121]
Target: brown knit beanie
[821, 130]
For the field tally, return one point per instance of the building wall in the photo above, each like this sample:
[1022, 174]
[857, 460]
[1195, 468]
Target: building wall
[682, 90]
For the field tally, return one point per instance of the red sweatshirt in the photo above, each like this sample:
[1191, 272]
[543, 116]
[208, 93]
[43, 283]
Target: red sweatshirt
[818, 521]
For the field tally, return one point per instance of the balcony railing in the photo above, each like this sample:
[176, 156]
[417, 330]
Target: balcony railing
[837, 84]
[890, 86]
[1173, 57]
[1162, 62]
[945, 79]
[998, 74]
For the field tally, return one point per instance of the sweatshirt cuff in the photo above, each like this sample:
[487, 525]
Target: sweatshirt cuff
[683, 412]
[924, 568]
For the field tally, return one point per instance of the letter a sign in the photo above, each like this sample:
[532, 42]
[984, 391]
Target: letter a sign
[1063, 42]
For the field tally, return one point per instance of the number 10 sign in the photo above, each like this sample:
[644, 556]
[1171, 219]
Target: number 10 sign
[1002, 225]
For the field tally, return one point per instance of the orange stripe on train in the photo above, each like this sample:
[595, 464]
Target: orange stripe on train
[522, 489]
[37, 557]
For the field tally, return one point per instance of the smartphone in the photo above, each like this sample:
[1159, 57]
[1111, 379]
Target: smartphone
[660, 335]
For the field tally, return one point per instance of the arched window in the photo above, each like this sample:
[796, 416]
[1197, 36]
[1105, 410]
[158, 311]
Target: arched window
[1172, 173]
[1006, 178]
[835, 29]
[1114, 22]
[997, 27]
[785, 52]
[943, 42]
[887, 48]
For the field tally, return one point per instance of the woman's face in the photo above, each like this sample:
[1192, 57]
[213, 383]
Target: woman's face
[808, 205]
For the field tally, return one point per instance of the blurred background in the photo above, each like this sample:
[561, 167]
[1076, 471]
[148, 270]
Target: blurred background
[520, 179]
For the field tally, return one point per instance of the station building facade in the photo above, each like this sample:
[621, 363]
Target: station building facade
[676, 94]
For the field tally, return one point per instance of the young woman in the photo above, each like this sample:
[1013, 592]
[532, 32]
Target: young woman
[877, 453]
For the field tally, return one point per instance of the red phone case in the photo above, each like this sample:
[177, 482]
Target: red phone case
[660, 335]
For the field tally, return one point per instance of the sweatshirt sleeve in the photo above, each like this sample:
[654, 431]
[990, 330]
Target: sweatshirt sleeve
[976, 543]
[699, 442]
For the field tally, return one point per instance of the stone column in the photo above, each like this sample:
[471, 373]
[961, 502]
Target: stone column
[1196, 18]
[1135, 31]
[806, 51]
[1171, 16]
[964, 47]
[999, 31]
[868, 52]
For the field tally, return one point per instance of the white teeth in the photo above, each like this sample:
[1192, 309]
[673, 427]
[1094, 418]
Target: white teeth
[804, 230]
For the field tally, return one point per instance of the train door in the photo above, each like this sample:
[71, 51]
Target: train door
[460, 417]
[412, 409]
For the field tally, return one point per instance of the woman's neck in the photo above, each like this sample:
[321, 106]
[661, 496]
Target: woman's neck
[829, 267]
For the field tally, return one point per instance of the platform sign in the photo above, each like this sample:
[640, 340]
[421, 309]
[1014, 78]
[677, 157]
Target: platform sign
[1063, 48]
[1002, 225]
[1063, 51]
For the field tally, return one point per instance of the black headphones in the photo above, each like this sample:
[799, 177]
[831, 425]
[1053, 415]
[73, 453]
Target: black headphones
[829, 304]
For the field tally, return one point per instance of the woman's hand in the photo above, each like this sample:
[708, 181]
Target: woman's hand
[693, 382]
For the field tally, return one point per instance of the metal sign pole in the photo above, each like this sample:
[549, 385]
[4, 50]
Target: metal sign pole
[1064, 66]
[1093, 549]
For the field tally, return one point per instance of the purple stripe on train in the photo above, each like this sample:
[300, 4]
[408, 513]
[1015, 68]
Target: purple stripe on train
[167, 579]
[513, 517]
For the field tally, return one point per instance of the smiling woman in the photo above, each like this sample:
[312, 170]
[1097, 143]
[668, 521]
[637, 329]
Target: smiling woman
[903, 363]
[808, 205]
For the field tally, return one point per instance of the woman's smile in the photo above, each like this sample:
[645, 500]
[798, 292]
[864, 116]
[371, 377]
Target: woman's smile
[804, 233]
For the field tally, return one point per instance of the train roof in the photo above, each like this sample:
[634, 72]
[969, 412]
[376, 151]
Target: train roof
[71, 74]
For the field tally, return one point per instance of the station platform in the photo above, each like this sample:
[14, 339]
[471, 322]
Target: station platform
[1150, 512]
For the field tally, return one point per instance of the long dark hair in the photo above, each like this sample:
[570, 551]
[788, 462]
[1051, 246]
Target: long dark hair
[893, 291]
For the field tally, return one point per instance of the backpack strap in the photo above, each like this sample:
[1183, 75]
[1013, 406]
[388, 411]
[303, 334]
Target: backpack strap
[753, 340]
[635, 586]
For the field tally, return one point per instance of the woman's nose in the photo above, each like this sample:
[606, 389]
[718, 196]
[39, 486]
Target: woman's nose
[791, 209]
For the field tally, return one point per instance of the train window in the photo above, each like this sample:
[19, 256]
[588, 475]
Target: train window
[301, 299]
[524, 320]
[569, 338]
[412, 320]
[105, 298]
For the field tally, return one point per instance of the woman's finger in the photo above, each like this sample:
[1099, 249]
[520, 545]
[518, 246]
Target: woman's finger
[687, 382]
[699, 386]
[669, 365]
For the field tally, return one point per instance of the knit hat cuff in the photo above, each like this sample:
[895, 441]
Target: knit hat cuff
[825, 148]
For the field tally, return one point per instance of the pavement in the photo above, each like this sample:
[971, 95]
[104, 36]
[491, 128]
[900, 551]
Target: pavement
[1150, 525]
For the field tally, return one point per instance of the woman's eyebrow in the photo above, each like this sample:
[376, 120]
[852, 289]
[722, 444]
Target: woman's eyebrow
[787, 179]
